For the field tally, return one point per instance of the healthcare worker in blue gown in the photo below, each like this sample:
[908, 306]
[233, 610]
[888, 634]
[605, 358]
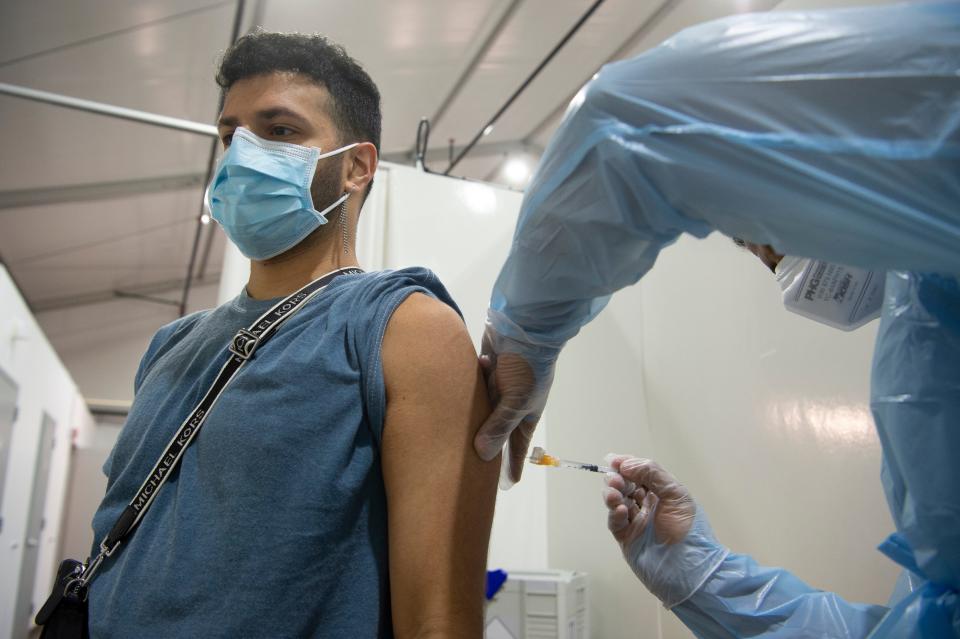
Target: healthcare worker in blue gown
[831, 135]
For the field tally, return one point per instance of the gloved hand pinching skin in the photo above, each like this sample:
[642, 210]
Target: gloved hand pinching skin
[519, 375]
[664, 535]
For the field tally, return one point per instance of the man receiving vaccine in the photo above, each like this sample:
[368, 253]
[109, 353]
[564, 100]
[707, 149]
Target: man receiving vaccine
[301, 509]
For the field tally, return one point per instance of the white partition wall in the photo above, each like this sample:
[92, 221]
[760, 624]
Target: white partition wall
[49, 411]
[761, 413]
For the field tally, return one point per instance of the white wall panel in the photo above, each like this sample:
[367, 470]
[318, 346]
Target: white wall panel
[765, 416]
[86, 489]
[44, 387]
[598, 405]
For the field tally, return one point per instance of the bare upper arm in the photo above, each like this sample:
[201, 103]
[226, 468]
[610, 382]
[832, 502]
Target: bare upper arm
[440, 495]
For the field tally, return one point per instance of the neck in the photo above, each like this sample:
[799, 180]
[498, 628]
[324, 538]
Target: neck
[282, 275]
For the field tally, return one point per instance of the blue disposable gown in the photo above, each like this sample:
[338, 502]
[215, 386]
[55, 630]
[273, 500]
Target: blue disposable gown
[832, 135]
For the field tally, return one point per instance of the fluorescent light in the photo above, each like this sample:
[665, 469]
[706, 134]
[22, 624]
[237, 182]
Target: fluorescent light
[204, 219]
[516, 171]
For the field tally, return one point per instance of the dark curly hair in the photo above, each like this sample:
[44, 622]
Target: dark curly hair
[355, 97]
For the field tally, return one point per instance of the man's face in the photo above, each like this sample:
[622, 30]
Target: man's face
[287, 107]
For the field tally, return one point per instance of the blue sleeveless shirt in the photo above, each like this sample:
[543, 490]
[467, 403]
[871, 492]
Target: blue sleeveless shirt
[275, 524]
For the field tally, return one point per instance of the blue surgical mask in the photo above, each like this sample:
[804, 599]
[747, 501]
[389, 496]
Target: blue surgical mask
[260, 194]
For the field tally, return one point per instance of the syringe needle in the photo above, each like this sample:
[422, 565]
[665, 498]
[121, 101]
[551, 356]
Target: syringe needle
[593, 468]
[541, 458]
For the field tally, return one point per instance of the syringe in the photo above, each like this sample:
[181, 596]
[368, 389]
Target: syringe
[541, 458]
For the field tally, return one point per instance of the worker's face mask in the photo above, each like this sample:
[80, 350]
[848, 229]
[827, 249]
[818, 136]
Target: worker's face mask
[843, 297]
[260, 194]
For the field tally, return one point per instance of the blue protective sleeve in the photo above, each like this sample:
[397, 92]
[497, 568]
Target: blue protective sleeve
[830, 134]
[915, 400]
[744, 599]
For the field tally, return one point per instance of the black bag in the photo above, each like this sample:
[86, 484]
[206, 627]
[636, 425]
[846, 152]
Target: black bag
[65, 613]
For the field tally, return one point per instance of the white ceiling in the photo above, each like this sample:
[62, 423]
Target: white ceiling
[90, 205]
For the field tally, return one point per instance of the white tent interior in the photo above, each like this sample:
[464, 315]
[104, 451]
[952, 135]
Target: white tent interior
[100, 229]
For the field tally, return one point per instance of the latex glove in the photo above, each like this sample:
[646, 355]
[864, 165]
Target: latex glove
[518, 374]
[664, 535]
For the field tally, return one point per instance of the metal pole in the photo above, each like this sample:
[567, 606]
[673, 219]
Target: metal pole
[489, 38]
[207, 247]
[108, 109]
[235, 33]
[488, 127]
[644, 29]
[256, 20]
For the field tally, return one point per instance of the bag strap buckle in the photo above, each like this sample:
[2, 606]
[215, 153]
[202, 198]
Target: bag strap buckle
[76, 588]
[244, 343]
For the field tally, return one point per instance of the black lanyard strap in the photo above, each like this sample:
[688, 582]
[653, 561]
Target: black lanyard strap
[242, 347]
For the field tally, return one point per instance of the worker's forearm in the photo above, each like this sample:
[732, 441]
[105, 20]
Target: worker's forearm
[744, 594]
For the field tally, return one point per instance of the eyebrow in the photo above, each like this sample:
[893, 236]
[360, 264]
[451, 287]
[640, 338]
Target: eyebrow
[265, 115]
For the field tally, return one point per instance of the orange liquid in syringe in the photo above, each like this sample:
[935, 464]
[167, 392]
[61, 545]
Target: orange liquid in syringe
[547, 460]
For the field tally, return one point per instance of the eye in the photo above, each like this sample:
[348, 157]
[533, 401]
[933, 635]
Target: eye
[226, 139]
[280, 131]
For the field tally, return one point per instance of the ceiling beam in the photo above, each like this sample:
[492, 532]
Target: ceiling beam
[99, 297]
[666, 6]
[489, 33]
[523, 86]
[443, 154]
[98, 191]
[101, 108]
[113, 34]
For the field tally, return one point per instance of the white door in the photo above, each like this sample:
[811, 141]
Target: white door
[26, 607]
[8, 411]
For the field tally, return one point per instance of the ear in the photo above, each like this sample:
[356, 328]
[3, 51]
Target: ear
[360, 166]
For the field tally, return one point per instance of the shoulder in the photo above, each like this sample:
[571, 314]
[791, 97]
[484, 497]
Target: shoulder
[423, 313]
[383, 285]
[164, 338]
[426, 342]
[401, 302]
[420, 316]
[177, 328]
